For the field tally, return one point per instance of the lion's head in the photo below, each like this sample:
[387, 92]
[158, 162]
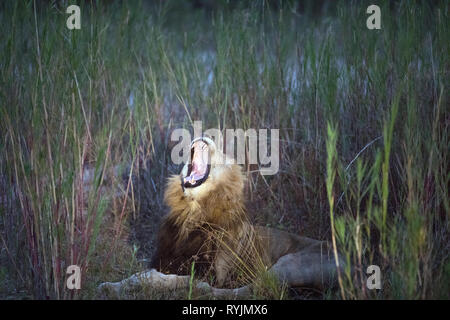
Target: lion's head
[208, 169]
[209, 188]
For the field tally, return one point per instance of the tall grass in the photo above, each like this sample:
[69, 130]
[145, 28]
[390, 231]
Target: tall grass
[82, 109]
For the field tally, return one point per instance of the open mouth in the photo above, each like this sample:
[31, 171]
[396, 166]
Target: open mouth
[198, 168]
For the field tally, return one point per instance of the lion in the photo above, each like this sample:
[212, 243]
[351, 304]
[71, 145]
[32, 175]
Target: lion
[208, 229]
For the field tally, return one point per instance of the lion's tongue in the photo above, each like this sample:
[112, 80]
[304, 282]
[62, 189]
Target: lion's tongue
[197, 172]
[198, 165]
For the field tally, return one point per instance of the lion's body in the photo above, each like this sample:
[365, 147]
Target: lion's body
[207, 228]
[209, 225]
